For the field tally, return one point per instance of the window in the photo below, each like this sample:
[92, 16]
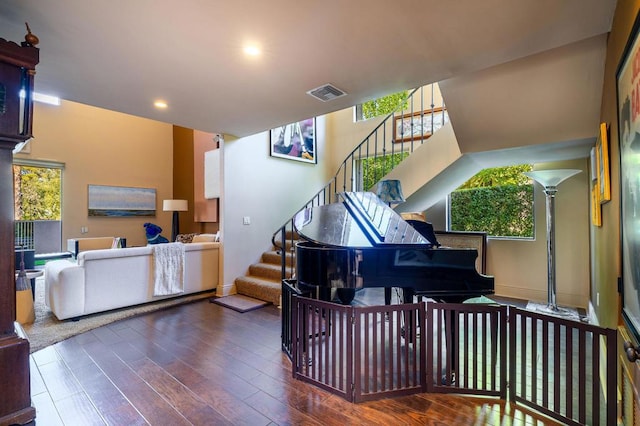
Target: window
[373, 169]
[37, 205]
[36, 192]
[498, 201]
[381, 106]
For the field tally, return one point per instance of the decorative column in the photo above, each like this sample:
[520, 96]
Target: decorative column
[550, 179]
[17, 69]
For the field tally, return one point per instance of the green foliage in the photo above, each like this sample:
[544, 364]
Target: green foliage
[37, 192]
[374, 168]
[510, 175]
[384, 105]
[505, 211]
[498, 201]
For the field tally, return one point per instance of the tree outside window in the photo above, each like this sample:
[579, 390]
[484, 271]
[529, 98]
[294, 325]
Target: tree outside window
[381, 106]
[37, 192]
[498, 201]
[373, 169]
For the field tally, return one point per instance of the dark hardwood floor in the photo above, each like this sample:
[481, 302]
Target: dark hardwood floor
[201, 363]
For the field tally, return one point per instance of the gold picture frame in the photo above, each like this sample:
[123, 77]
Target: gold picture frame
[596, 209]
[602, 160]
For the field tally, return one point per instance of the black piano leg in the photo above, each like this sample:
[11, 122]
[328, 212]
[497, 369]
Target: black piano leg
[409, 329]
[387, 295]
[346, 295]
[451, 336]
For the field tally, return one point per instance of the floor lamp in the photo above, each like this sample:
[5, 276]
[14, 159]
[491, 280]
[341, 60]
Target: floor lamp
[175, 206]
[550, 179]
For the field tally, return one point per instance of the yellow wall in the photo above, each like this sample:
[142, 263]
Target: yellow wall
[187, 151]
[605, 252]
[104, 147]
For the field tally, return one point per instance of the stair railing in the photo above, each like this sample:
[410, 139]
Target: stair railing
[396, 137]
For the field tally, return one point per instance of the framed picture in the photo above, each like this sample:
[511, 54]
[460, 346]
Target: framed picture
[627, 83]
[419, 125]
[602, 160]
[594, 165]
[596, 209]
[295, 141]
[121, 201]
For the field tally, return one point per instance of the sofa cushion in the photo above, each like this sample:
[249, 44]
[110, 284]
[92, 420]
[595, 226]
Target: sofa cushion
[185, 238]
[206, 238]
[112, 254]
[78, 245]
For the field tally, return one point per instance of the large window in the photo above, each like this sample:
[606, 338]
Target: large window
[498, 201]
[381, 106]
[37, 205]
[36, 192]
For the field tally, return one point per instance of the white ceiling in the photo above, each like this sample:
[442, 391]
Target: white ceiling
[124, 54]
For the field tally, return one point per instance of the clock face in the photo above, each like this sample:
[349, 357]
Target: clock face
[10, 105]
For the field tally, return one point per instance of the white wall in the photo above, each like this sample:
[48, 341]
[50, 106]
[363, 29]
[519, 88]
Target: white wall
[267, 189]
[270, 190]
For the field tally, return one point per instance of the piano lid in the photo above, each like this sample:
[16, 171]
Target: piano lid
[361, 220]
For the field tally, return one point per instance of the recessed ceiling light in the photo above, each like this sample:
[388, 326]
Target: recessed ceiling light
[160, 104]
[252, 50]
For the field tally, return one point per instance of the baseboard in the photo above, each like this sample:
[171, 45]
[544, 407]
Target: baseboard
[226, 290]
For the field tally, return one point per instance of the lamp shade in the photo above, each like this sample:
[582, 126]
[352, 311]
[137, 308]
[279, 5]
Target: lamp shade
[548, 178]
[390, 191]
[175, 205]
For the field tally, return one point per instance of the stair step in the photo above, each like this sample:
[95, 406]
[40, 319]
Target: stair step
[275, 258]
[259, 288]
[288, 235]
[268, 270]
[289, 244]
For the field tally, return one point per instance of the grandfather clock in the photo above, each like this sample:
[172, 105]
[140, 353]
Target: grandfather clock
[17, 69]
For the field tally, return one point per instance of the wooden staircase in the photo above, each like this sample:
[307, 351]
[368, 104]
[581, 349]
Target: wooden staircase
[264, 279]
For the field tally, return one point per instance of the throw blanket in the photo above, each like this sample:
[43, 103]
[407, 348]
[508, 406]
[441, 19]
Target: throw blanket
[168, 269]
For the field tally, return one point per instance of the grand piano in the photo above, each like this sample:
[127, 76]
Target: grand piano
[361, 242]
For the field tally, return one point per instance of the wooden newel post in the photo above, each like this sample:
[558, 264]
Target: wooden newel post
[17, 69]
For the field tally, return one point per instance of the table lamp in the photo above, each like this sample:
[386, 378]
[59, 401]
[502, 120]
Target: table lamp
[390, 191]
[175, 206]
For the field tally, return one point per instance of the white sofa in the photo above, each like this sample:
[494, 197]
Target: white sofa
[101, 280]
[77, 245]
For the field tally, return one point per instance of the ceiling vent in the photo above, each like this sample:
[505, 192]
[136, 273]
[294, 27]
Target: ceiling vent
[326, 93]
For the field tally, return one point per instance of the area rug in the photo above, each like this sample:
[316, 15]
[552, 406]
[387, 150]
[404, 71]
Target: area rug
[240, 302]
[47, 329]
[565, 313]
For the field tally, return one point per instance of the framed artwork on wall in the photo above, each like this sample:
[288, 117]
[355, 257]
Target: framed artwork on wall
[628, 84]
[419, 125]
[594, 165]
[121, 201]
[596, 209]
[295, 141]
[602, 161]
